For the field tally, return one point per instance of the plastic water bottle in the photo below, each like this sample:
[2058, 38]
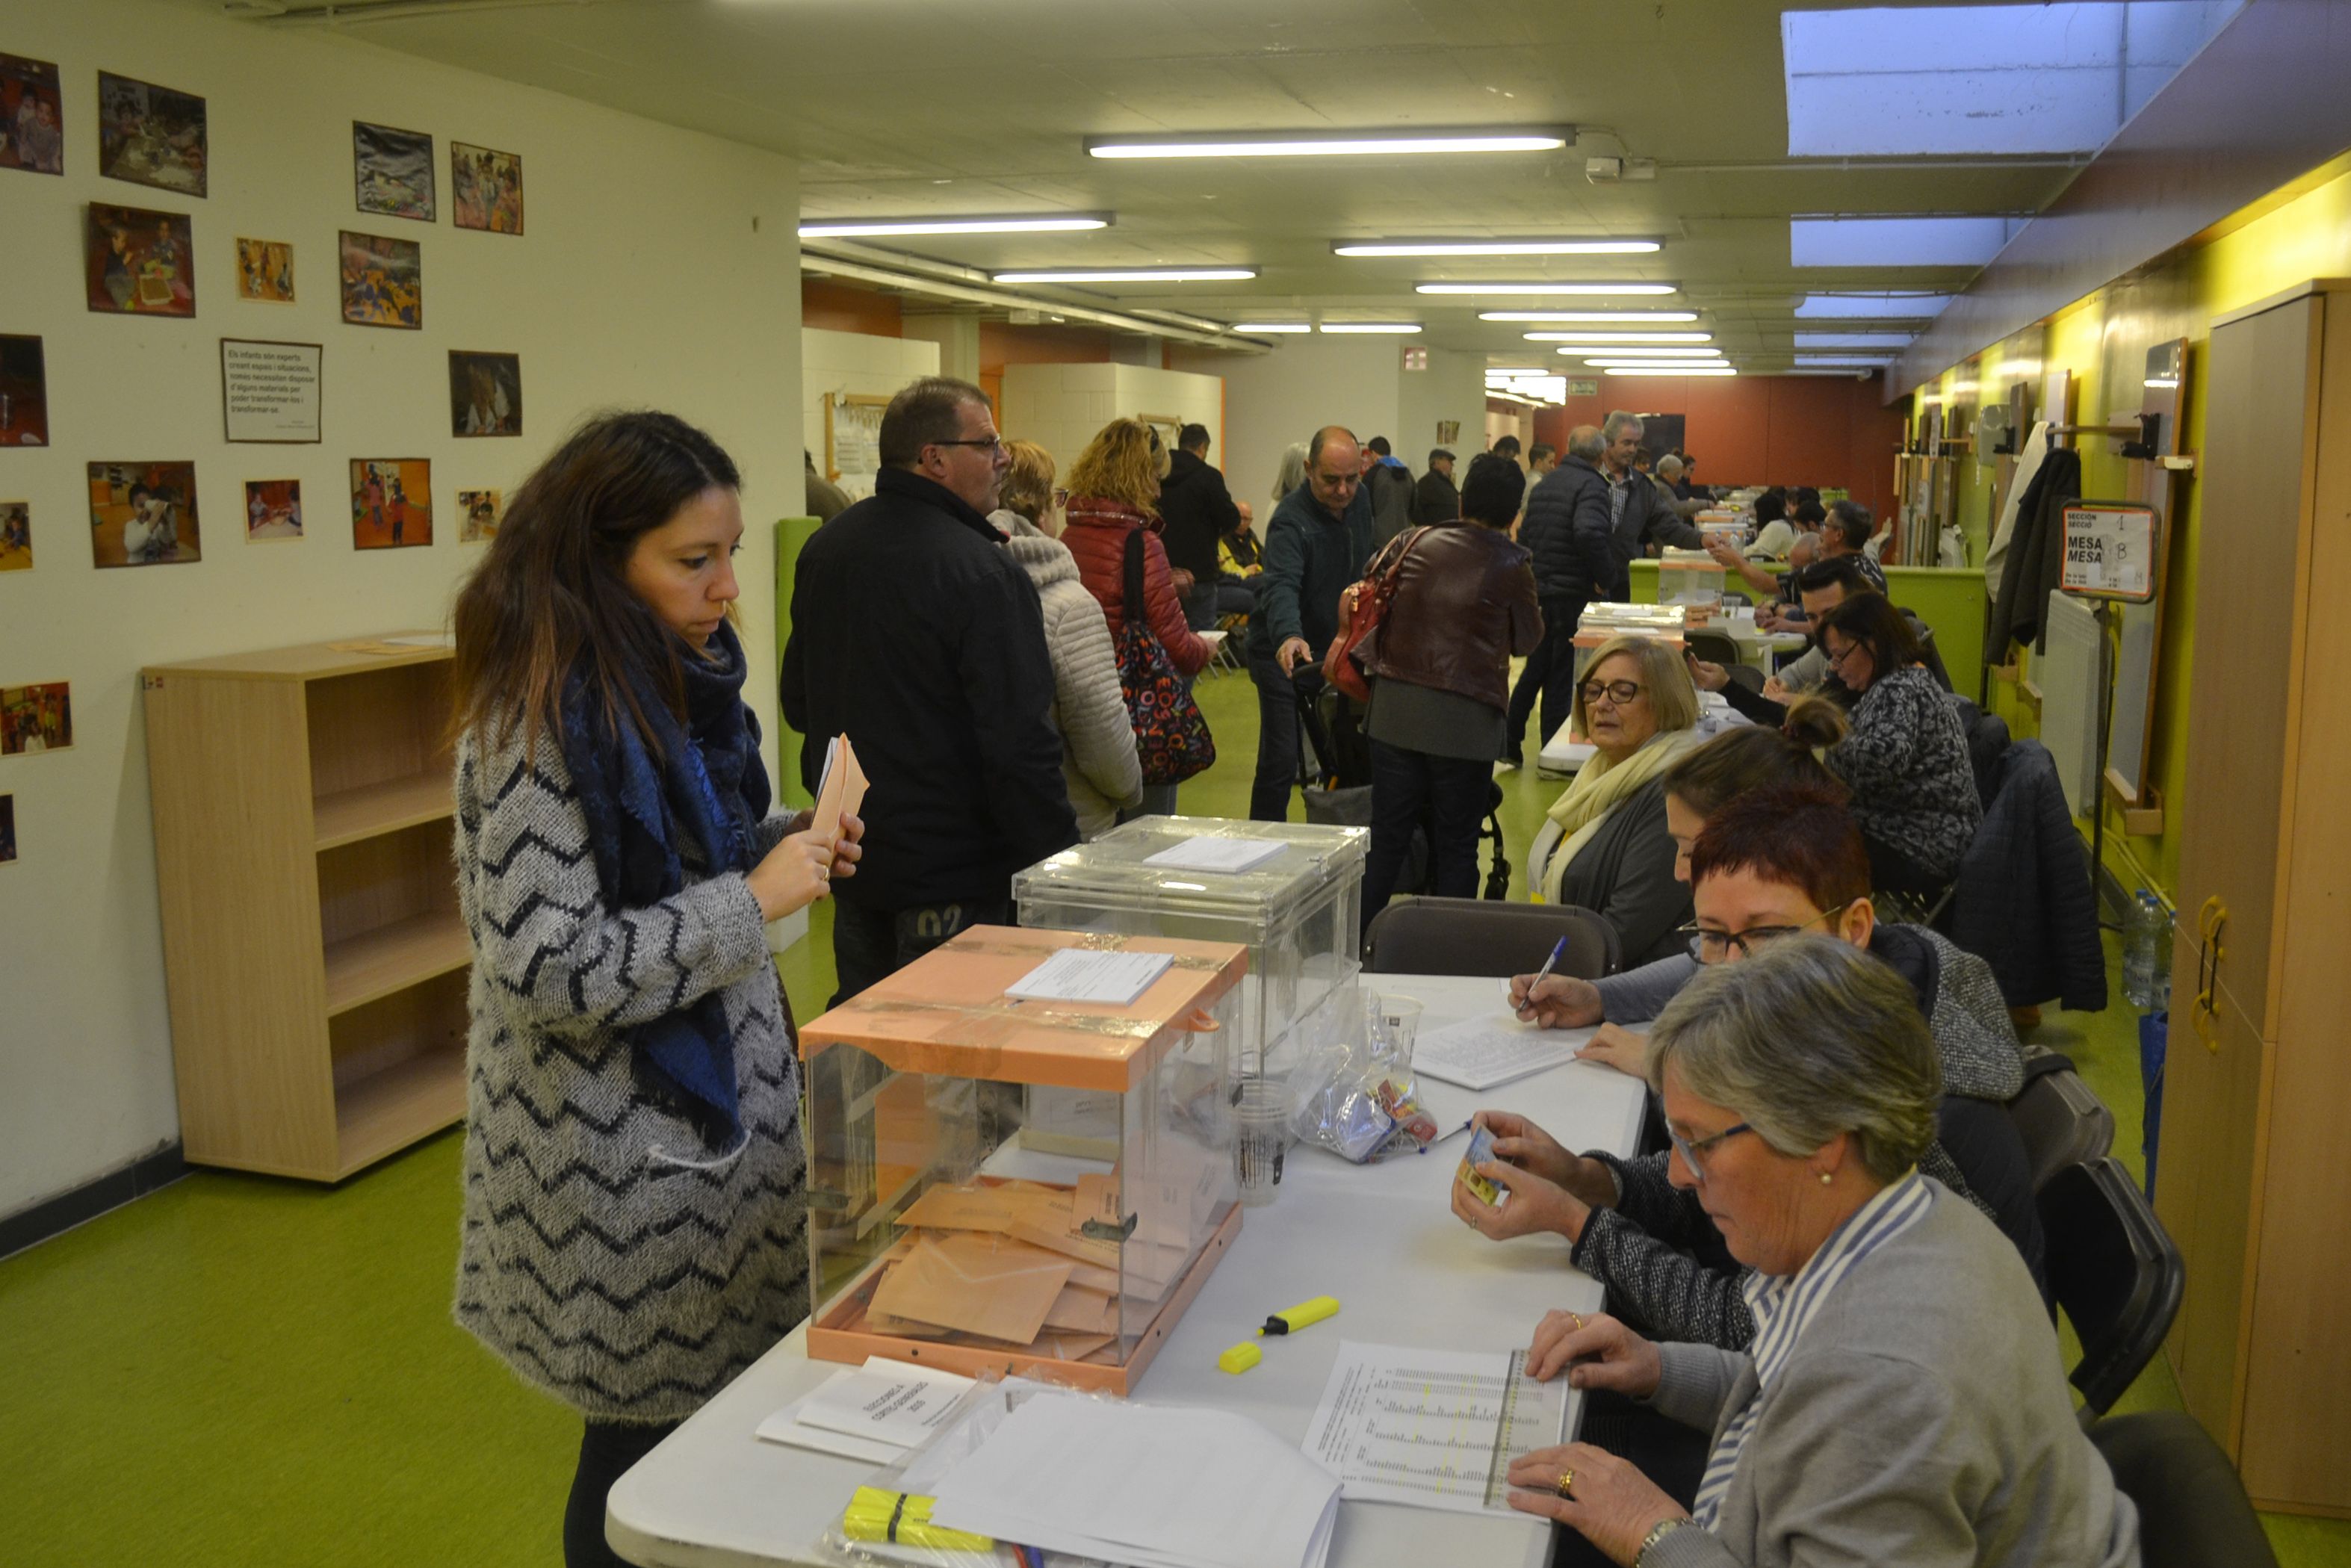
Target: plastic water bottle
[2147, 954]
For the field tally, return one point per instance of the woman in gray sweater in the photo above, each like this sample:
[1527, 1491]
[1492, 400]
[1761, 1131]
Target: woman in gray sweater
[634, 1219]
[1904, 1400]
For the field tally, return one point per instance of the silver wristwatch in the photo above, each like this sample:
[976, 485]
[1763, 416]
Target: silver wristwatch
[1657, 1533]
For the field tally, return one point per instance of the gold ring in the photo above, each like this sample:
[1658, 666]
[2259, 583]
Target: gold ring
[1566, 1480]
[1577, 1319]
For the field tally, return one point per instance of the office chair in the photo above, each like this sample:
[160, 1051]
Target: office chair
[2114, 1271]
[1480, 936]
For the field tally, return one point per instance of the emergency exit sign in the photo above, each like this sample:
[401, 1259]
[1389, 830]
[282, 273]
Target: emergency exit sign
[1416, 358]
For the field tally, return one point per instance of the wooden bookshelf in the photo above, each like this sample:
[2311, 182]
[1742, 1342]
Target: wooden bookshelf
[316, 961]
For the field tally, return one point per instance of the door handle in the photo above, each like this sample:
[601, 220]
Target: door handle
[2210, 922]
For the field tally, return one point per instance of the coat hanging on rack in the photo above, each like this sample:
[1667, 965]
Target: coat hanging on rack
[2021, 612]
[2030, 454]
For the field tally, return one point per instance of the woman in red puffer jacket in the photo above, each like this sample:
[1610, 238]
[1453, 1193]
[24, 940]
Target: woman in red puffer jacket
[1113, 491]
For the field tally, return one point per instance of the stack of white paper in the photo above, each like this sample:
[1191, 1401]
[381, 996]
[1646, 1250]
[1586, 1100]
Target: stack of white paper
[1143, 1486]
[876, 1412]
[1211, 852]
[1480, 1053]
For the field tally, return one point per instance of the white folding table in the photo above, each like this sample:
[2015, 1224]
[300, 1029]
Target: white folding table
[1382, 1238]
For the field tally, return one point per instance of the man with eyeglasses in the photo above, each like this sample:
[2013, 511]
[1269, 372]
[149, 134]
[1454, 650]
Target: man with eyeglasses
[915, 634]
[1317, 543]
[1770, 864]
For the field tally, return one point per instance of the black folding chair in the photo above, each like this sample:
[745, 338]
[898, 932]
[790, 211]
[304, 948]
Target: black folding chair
[2192, 1508]
[2114, 1271]
[2061, 1122]
[1480, 936]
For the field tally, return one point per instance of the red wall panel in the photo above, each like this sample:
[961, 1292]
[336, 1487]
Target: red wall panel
[836, 308]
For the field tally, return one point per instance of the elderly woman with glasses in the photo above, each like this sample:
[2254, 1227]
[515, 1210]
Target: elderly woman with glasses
[1613, 854]
[1904, 1400]
[1906, 756]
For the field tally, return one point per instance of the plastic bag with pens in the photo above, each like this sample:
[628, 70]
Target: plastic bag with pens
[1356, 1094]
[887, 1519]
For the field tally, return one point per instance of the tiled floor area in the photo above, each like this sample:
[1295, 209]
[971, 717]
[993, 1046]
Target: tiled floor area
[239, 1371]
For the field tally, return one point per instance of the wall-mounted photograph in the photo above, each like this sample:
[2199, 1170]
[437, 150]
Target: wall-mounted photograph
[273, 510]
[23, 392]
[383, 281]
[139, 263]
[35, 718]
[487, 188]
[392, 171]
[479, 513]
[391, 502]
[144, 514]
[151, 135]
[265, 271]
[32, 117]
[485, 393]
[15, 536]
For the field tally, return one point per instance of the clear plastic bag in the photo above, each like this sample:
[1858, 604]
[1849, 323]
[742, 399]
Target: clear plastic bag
[1356, 1096]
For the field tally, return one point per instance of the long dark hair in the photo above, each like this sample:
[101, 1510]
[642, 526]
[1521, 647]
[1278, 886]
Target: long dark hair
[551, 595]
[1872, 621]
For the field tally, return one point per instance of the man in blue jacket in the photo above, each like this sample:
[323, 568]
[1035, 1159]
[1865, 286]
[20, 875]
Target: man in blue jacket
[1566, 527]
[1316, 544]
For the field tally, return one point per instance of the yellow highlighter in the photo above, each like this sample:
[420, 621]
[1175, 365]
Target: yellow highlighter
[1304, 1314]
[874, 1514]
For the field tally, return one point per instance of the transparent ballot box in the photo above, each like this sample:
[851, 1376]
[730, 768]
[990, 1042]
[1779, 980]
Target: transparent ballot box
[1295, 905]
[1691, 577]
[1603, 622]
[939, 1234]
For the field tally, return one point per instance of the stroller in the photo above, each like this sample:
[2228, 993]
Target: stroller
[1335, 776]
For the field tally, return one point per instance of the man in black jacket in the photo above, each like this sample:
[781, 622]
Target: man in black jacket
[1198, 511]
[1566, 528]
[1434, 500]
[915, 634]
[1639, 513]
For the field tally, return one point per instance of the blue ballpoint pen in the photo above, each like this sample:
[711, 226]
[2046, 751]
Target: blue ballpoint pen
[1550, 965]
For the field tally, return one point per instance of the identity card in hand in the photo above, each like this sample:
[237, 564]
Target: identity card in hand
[1482, 1152]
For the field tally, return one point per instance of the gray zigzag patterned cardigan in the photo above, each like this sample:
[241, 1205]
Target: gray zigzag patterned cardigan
[607, 1256]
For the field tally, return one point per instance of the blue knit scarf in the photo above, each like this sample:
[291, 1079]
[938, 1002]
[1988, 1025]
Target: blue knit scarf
[707, 786]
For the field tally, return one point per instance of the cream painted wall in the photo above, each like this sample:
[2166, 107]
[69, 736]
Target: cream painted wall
[1454, 388]
[1274, 399]
[855, 363]
[1061, 407]
[659, 270]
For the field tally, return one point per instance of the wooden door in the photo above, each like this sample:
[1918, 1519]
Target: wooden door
[2260, 438]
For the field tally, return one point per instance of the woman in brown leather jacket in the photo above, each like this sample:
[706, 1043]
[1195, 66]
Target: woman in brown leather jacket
[1440, 663]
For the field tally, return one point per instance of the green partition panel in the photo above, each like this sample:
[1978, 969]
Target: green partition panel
[791, 534]
[1950, 599]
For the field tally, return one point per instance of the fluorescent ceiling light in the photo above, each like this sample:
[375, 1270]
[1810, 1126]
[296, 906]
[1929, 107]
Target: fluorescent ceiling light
[1605, 361]
[1898, 242]
[1670, 371]
[1546, 288]
[1370, 327]
[1182, 321]
[1853, 340]
[1040, 223]
[1641, 353]
[1627, 316]
[1618, 337]
[1273, 326]
[1848, 361]
[1516, 371]
[1132, 275]
[1332, 144]
[2161, 383]
[1982, 78]
[1823, 373]
[1494, 247]
[1871, 307]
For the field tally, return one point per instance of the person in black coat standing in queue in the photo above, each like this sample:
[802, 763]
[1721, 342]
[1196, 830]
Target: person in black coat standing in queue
[1434, 500]
[915, 634]
[1566, 527]
[1195, 510]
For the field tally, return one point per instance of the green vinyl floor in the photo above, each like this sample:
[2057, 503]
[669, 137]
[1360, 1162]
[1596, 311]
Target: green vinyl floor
[245, 1373]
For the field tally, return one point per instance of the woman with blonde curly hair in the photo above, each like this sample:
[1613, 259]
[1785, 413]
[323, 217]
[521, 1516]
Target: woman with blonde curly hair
[1607, 847]
[1098, 755]
[1114, 494]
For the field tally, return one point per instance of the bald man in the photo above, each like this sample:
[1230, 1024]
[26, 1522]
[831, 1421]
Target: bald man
[1316, 544]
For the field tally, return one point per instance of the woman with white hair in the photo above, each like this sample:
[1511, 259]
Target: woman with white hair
[1614, 853]
[1904, 1400]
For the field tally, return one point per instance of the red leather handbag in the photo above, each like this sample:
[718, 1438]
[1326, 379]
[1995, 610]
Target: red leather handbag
[1342, 666]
